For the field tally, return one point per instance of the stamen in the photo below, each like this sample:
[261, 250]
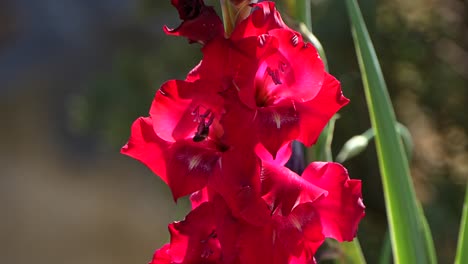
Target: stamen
[295, 40]
[262, 40]
[274, 74]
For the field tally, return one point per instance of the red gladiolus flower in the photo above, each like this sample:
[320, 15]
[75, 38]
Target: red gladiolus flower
[269, 66]
[224, 134]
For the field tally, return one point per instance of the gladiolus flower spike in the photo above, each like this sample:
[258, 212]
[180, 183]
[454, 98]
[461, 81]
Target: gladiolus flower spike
[224, 134]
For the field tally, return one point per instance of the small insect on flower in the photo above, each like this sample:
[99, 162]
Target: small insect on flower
[203, 128]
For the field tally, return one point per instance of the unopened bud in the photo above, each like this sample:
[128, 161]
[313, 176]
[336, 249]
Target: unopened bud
[352, 147]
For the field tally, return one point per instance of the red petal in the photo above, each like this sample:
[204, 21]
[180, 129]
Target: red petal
[185, 166]
[300, 234]
[282, 189]
[276, 125]
[282, 156]
[189, 166]
[273, 126]
[199, 197]
[194, 240]
[236, 68]
[315, 114]
[238, 182]
[341, 211]
[286, 240]
[295, 71]
[256, 244]
[263, 18]
[145, 146]
[162, 256]
[174, 106]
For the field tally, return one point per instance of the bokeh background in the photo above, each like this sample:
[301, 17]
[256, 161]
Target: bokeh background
[74, 74]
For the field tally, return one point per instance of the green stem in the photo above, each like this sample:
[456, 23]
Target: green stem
[228, 14]
[303, 13]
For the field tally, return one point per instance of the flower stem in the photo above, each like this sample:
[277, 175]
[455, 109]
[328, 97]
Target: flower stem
[228, 16]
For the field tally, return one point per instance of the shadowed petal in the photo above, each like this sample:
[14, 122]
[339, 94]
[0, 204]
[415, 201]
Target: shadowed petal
[201, 23]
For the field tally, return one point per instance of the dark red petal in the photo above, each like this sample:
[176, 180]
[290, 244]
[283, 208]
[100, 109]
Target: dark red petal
[300, 233]
[276, 125]
[238, 122]
[189, 166]
[201, 26]
[194, 240]
[285, 240]
[228, 228]
[341, 211]
[144, 145]
[282, 189]
[316, 113]
[238, 182]
[188, 9]
[263, 18]
[162, 255]
[256, 244]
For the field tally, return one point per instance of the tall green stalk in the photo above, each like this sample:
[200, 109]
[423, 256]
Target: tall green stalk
[410, 237]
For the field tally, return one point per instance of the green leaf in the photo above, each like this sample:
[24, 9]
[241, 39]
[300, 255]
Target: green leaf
[386, 251]
[462, 248]
[410, 237]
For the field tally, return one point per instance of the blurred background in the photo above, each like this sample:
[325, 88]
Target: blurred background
[74, 74]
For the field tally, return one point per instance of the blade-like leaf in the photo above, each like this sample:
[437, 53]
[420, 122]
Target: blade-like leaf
[462, 248]
[410, 241]
[386, 250]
